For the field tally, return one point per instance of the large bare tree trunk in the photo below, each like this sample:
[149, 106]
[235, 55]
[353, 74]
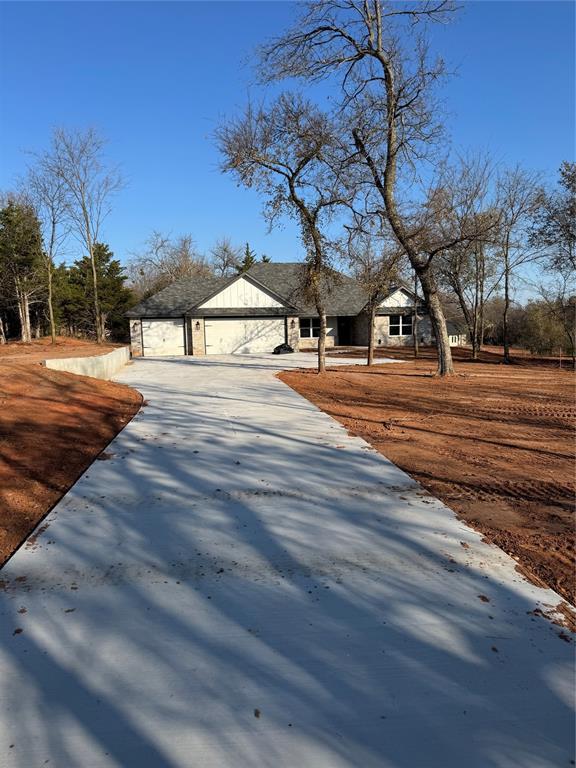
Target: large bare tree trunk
[103, 318]
[475, 339]
[475, 327]
[481, 301]
[24, 316]
[386, 186]
[50, 267]
[430, 291]
[371, 335]
[51, 306]
[322, 341]
[505, 331]
[415, 320]
[320, 308]
[2, 331]
[97, 316]
[26, 309]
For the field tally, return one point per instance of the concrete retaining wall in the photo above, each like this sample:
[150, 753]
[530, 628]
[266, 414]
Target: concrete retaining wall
[98, 367]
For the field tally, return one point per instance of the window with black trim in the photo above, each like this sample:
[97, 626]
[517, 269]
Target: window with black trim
[309, 327]
[400, 325]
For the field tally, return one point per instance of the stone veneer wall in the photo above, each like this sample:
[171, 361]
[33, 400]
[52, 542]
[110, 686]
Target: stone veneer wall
[383, 339]
[136, 338]
[313, 343]
[331, 336]
[197, 335]
[293, 334]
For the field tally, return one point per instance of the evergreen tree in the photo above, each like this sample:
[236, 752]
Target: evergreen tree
[21, 263]
[76, 300]
[248, 260]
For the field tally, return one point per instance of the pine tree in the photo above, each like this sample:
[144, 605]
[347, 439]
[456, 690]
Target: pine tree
[21, 265]
[76, 299]
[248, 261]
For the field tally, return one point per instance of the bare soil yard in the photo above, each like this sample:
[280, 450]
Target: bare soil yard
[52, 426]
[42, 349]
[495, 443]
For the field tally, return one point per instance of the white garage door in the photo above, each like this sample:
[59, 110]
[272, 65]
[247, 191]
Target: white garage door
[163, 337]
[248, 335]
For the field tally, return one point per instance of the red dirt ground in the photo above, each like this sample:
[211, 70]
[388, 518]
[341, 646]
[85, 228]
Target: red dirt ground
[495, 443]
[42, 349]
[489, 354]
[52, 426]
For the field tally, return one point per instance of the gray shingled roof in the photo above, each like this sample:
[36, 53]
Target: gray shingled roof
[456, 327]
[344, 295]
[174, 300]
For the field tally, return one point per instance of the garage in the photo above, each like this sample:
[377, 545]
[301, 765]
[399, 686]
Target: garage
[164, 336]
[243, 335]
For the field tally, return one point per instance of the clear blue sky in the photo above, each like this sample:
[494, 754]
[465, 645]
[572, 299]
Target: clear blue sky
[156, 77]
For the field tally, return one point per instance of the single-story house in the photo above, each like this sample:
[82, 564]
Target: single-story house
[259, 309]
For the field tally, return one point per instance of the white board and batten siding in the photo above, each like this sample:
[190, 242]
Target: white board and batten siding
[241, 294]
[163, 336]
[399, 298]
[243, 335]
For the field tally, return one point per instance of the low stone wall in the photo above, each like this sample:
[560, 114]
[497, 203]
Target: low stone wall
[98, 366]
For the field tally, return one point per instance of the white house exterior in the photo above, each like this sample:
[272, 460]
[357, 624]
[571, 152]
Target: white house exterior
[256, 311]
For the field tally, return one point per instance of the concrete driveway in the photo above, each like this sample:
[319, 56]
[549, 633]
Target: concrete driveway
[241, 584]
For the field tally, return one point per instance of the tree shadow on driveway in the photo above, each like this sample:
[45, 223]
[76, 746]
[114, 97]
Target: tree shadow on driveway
[307, 606]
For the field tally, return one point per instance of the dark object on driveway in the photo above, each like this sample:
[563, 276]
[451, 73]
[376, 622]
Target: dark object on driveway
[282, 349]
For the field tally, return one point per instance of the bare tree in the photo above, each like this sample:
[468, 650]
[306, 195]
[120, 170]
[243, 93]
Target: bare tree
[225, 257]
[416, 317]
[560, 303]
[388, 83]
[517, 201]
[375, 261]
[48, 195]
[163, 261]
[554, 226]
[285, 153]
[76, 159]
[469, 267]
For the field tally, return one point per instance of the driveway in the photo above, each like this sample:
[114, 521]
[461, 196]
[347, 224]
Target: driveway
[242, 584]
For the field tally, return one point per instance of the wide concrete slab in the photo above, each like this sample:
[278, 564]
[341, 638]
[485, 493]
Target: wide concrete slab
[243, 584]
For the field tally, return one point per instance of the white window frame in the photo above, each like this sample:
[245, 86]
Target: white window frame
[404, 326]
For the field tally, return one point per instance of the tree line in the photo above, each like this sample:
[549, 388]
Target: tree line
[379, 159]
[59, 208]
[369, 179]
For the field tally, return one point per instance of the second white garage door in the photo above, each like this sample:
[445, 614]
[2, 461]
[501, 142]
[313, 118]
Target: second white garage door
[244, 336]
